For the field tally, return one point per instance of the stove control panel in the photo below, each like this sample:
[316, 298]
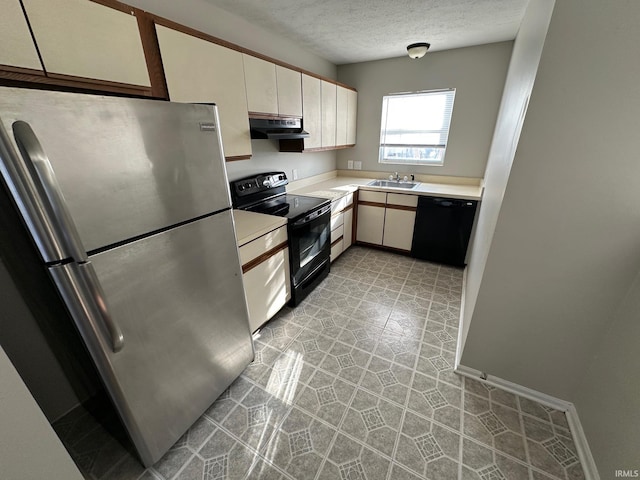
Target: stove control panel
[259, 185]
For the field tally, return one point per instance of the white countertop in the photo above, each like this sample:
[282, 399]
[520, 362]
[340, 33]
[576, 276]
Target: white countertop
[339, 186]
[251, 225]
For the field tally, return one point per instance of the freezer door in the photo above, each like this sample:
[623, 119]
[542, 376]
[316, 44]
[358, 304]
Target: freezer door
[125, 167]
[178, 302]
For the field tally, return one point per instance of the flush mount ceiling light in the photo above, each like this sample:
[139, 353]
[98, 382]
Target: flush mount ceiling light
[418, 50]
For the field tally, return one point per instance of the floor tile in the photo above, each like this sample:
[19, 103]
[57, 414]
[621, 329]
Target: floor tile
[351, 460]
[355, 383]
[373, 421]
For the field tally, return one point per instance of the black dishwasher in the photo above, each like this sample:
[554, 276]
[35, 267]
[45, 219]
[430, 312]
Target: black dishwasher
[442, 229]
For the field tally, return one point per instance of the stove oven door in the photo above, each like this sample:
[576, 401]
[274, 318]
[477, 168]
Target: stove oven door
[309, 245]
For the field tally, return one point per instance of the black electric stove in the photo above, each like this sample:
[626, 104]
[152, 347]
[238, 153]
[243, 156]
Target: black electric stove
[308, 226]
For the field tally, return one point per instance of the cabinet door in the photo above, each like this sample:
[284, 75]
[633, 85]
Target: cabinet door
[352, 115]
[370, 224]
[342, 104]
[348, 227]
[86, 39]
[200, 71]
[267, 288]
[18, 49]
[289, 91]
[261, 83]
[312, 111]
[328, 114]
[398, 228]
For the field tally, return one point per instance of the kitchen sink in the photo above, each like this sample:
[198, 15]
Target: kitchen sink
[393, 184]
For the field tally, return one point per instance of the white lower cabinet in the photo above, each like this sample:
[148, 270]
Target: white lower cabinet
[386, 219]
[370, 224]
[341, 225]
[398, 228]
[348, 228]
[265, 263]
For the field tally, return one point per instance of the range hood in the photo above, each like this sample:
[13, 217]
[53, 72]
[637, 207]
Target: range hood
[280, 129]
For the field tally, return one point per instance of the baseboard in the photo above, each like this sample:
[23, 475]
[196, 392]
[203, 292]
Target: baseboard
[582, 446]
[577, 432]
[514, 388]
[461, 320]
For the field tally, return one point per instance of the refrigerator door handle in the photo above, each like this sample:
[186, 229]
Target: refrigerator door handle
[95, 293]
[62, 230]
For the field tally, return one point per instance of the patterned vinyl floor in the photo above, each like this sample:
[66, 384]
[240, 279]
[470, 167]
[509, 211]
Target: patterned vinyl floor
[355, 383]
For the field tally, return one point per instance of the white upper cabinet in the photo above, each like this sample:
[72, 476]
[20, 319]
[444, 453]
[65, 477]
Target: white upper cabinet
[201, 71]
[329, 93]
[352, 116]
[312, 111]
[342, 99]
[85, 39]
[261, 83]
[289, 91]
[18, 49]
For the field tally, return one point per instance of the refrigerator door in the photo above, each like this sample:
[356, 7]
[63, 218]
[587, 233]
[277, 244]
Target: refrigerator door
[177, 298]
[125, 167]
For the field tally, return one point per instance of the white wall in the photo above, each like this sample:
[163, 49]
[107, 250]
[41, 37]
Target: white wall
[29, 448]
[608, 397]
[567, 242]
[477, 73]
[266, 158]
[205, 17]
[520, 78]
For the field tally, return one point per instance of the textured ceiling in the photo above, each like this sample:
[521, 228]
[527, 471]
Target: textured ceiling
[351, 31]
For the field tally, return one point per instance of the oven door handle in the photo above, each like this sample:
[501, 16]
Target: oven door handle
[311, 217]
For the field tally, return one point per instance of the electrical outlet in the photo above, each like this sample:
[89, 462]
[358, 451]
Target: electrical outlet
[350, 164]
[357, 165]
[295, 173]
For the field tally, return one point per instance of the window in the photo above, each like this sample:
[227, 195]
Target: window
[415, 127]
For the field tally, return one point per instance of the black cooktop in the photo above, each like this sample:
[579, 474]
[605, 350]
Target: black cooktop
[287, 205]
[265, 193]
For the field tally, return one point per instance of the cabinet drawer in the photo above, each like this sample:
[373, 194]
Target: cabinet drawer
[402, 199]
[377, 197]
[337, 233]
[341, 203]
[262, 244]
[337, 220]
[336, 250]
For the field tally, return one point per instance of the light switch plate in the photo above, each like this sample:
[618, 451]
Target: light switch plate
[357, 165]
[350, 164]
[295, 173]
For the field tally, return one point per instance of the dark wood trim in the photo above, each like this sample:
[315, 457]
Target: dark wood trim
[272, 116]
[223, 43]
[7, 70]
[152, 56]
[264, 257]
[335, 242]
[371, 204]
[96, 84]
[237, 157]
[70, 83]
[402, 207]
[348, 207]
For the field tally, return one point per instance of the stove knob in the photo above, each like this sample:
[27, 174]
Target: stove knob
[267, 183]
[240, 187]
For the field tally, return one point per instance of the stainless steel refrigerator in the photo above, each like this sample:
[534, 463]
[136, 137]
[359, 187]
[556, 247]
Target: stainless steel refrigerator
[127, 202]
